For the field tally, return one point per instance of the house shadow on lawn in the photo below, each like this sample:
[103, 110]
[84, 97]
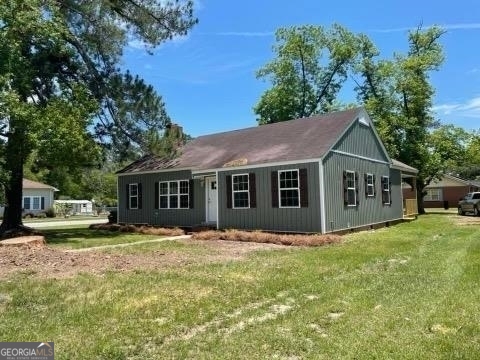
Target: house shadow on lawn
[77, 235]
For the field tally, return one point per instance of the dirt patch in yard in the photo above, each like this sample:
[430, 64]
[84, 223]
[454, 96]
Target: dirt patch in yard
[466, 220]
[48, 262]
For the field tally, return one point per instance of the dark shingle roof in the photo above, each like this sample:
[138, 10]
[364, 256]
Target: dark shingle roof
[300, 139]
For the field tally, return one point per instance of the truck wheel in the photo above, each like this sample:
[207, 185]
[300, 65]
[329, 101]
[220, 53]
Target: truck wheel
[460, 211]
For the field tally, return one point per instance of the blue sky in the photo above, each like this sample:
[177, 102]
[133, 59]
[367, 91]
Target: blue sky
[207, 79]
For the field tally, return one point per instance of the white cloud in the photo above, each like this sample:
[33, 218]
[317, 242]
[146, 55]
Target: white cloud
[470, 108]
[467, 26]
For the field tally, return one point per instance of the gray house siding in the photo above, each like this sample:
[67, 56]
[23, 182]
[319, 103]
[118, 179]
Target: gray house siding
[162, 217]
[370, 210]
[361, 140]
[264, 216]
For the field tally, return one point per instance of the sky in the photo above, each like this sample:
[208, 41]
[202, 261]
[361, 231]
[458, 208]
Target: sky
[207, 78]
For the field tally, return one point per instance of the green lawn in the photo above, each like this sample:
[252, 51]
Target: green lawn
[77, 237]
[406, 292]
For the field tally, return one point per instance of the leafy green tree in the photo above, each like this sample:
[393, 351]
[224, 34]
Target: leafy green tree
[59, 78]
[398, 95]
[310, 67]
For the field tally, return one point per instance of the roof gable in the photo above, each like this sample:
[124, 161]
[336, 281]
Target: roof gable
[30, 184]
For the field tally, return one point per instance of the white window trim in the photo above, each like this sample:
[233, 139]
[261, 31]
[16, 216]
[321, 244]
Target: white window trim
[428, 196]
[31, 202]
[130, 196]
[178, 194]
[240, 191]
[293, 188]
[370, 185]
[350, 188]
[387, 190]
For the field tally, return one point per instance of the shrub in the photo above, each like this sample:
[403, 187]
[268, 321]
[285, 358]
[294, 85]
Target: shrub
[270, 238]
[50, 212]
[41, 215]
[112, 217]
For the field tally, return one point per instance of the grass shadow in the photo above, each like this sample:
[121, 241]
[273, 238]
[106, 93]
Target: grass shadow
[73, 235]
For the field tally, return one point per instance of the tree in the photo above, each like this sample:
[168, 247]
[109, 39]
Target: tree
[310, 67]
[398, 95]
[59, 78]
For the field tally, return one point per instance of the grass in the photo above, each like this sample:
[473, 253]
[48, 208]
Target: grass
[81, 237]
[62, 219]
[405, 292]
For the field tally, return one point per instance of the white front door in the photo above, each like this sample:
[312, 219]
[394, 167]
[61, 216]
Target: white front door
[211, 193]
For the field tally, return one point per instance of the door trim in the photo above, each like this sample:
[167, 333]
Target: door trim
[208, 180]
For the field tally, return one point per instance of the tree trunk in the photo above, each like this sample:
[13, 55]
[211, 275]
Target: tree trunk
[14, 160]
[420, 194]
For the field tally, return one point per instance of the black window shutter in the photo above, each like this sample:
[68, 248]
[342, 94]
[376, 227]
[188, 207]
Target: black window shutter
[139, 192]
[190, 193]
[345, 188]
[303, 188]
[275, 189]
[252, 188]
[128, 196]
[157, 194]
[229, 191]
[374, 185]
[42, 207]
[357, 187]
[366, 185]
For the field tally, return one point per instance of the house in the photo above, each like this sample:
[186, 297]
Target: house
[319, 174]
[444, 193]
[75, 207]
[36, 197]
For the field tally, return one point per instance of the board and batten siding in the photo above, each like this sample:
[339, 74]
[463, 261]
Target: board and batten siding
[160, 217]
[370, 210]
[264, 216]
[361, 140]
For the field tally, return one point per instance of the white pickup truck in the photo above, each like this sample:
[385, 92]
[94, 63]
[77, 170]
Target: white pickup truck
[470, 203]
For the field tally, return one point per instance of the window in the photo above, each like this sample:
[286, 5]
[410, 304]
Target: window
[174, 194]
[386, 195]
[240, 191]
[369, 185]
[33, 203]
[133, 196]
[350, 186]
[289, 190]
[433, 195]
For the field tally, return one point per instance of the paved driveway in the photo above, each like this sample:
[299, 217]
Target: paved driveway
[47, 224]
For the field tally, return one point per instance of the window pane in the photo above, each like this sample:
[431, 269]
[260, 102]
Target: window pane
[351, 197]
[163, 202]
[173, 187]
[163, 188]
[36, 203]
[133, 202]
[183, 187]
[133, 190]
[289, 198]
[184, 201]
[173, 202]
[26, 203]
[240, 200]
[240, 183]
[288, 179]
[350, 180]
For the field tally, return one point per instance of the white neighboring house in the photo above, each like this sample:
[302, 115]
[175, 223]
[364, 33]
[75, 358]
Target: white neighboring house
[37, 197]
[77, 207]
